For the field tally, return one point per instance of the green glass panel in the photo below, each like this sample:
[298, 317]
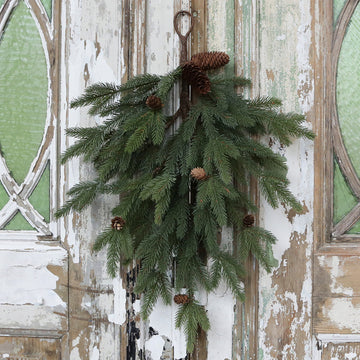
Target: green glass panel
[348, 89]
[23, 92]
[344, 200]
[355, 229]
[40, 198]
[337, 7]
[48, 7]
[4, 197]
[18, 222]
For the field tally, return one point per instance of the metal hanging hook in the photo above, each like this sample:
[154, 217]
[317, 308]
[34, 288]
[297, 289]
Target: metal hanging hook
[183, 38]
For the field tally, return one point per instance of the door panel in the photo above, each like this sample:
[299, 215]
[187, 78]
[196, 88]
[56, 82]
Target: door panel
[29, 348]
[344, 351]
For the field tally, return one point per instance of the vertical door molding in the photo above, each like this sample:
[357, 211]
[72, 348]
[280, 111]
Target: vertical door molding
[245, 335]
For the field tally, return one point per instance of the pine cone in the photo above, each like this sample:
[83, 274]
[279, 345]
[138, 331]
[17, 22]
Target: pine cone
[117, 223]
[154, 102]
[198, 173]
[181, 299]
[248, 220]
[210, 60]
[196, 77]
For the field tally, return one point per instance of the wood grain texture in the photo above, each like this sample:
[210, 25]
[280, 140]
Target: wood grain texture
[336, 276]
[323, 154]
[245, 333]
[344, 351]
[27, 348]
[198, 35]
[336, 315]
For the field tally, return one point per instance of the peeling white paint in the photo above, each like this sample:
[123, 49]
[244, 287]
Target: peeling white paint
[30, 317]
[344, 314]
[95, 354]
[350, 356]
[162, 320]
[220, 310]
[289, 59]
[25, 274]
[276, 221]
[305, 77]
[153, 347]
[119, 315]
[336, 272]
[74, 355]
[160, 37]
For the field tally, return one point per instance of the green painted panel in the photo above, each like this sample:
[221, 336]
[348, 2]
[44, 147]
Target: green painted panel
[348, 89]
[18, 222]
[355, 229]
[40, 198]
[23, 92]
[48, 7]
[4, 197]
[344, 200]
[337, 7]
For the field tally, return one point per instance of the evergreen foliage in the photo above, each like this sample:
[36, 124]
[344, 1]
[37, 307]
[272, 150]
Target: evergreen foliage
[172, 219]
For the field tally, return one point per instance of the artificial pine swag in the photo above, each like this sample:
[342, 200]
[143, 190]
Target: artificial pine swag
[176, 188]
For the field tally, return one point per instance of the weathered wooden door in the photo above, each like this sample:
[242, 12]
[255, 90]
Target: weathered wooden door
[54, 303]
[33, 265]
[56, 299]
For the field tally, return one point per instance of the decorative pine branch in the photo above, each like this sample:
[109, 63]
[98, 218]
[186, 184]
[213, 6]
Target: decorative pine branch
[178, 190]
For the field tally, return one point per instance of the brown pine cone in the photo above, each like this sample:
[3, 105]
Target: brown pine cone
[210, 60]
[154, 102]
[198, 173]
[194, 76]
[117, 223]
[181, 299]
[248, 220]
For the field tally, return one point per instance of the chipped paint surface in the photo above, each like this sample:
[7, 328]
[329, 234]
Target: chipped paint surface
[26, 276]
[286, 294]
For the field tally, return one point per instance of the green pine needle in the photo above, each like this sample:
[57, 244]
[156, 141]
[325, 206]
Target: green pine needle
[191, 317]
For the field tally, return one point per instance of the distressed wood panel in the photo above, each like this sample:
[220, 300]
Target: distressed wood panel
[336, 315]
[93, 49]
[246, 47]
[336, 276]
[199, 11]
[286, 71]
[27, 348]
[349, 351]
[322, 41]
[35, 278]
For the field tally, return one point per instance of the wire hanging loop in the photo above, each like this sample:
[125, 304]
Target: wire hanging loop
[183, 38]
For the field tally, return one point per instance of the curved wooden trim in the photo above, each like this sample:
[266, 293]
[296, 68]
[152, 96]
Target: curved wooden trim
[20, 202]
[5, 13]
[347, 222]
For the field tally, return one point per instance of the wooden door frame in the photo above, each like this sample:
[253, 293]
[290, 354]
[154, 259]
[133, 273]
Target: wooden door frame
[328, 241]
